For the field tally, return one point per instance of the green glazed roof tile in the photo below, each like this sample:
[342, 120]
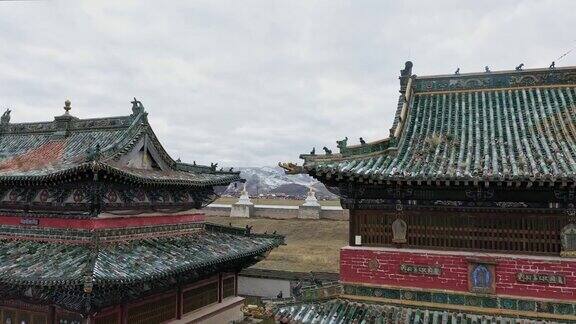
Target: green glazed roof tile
[346, 311]
[48, 261]
[47, 150]
[477, 133]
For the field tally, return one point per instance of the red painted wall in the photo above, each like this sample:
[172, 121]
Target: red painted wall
[354, 268]
[101, 223]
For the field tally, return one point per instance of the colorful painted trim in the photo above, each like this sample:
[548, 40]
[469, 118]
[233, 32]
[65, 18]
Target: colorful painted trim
[496, 80]
[472, 300]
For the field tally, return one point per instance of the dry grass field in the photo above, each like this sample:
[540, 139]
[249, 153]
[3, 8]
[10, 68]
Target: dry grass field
[283, 202]
[311, 245]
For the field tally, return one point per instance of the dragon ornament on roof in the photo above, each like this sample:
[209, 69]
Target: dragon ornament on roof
[291, 168]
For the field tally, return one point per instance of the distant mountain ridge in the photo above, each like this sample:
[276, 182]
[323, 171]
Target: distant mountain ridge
[270, 181]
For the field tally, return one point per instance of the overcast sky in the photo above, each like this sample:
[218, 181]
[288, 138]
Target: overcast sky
[250, 83]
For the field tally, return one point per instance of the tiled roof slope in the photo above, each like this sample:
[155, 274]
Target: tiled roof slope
[510, 125]
[344, 311]
[47, 257]
[48, 150]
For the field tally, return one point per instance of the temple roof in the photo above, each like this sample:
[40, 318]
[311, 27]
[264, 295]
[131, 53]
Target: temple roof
[125, 146]
[345, 311]
[87, 269]
[492, 126]
[51, 257]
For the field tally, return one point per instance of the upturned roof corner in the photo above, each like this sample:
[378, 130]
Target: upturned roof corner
[512, 125]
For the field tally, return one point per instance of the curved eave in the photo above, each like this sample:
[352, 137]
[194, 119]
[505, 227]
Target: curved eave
[274, 241]
[68, 173]
[79, 280]
[229, 178]
[177, 270]
[334, 158]
[60, 175]
[191, 267]
[43, 282]
[329, 172]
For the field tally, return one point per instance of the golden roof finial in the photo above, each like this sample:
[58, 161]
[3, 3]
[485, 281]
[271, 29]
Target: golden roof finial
[67, 106]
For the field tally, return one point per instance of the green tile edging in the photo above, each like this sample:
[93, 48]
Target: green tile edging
[482, 301]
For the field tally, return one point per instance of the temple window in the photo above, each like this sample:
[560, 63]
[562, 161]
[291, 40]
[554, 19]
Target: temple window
[228, 287]
[14, 316]
[113, 318]
[199, 297]
[153, 311]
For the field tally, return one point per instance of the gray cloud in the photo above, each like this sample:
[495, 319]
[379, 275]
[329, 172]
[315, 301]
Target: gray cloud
[257, 82]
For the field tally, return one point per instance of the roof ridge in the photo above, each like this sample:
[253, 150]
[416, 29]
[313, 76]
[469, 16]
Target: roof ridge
[532, 78]
[77, 119]
[75, 125]
[66, 122]
[499, 72]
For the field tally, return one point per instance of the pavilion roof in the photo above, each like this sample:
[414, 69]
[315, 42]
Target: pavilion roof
[51, 257]
[347, 311]
[50, 151]
[98, 268]
[496, 126]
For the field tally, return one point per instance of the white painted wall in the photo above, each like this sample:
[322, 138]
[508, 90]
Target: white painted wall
[228, 311]
[261, 287]
[277, 212]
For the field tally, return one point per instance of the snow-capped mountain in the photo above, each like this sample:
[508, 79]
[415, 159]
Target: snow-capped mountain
[273, 181]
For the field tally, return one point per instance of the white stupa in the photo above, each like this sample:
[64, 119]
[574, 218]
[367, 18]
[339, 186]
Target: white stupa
[244, 197]
[311, 198]
[243, 207]
[310, 209]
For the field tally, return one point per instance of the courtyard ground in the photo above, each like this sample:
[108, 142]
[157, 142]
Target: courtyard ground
[311, 245]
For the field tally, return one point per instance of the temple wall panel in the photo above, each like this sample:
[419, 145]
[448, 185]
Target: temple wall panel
[446, 270]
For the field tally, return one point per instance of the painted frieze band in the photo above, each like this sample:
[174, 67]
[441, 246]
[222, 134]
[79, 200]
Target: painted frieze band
[474, 300]
[539, 278]
[496, 80]
[421, 269]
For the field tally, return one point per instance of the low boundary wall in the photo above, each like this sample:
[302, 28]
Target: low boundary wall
[277, 212]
